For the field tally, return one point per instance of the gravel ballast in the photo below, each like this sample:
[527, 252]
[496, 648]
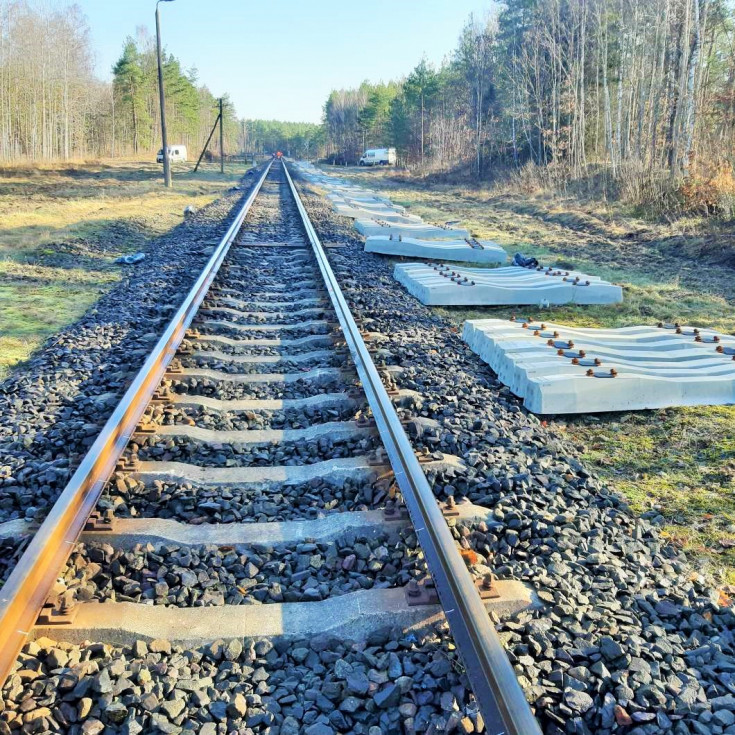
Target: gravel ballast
[296, 418]
[197, 576]
[315, 342]
[626, 639]
[11, 550]
[285, 365]
[393, 683]
[301, 452]
[191, 504]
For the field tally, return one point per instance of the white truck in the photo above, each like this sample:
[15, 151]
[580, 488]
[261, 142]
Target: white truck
[175, 153]
[379, 157]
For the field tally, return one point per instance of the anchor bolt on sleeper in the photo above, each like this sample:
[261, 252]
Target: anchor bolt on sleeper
[58, 610]
[104, 521]
[421, 592]
[486, 587]
[592, 374]
[449, 508]
[395, 511]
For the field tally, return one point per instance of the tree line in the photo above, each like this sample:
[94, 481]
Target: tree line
[52, 106]
[636, 88]
[300, 140]
[191, 109]
[638, 91]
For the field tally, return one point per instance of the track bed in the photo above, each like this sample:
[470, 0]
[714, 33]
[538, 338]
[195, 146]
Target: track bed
[248, 567]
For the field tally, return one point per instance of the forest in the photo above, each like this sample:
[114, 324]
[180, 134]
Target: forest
[300, 140]
[640, 93]
[52, 106]
[635, 95]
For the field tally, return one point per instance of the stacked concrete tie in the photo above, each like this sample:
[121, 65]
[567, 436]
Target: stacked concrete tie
[316, 176]
[429, 244]
[443, 285]
[356, 202]
[363, 198]
[382, 231]
[367, 208]
[558, 369]
[364, 204]
[390, 230]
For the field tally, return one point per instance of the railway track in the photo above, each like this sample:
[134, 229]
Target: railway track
[240, 526]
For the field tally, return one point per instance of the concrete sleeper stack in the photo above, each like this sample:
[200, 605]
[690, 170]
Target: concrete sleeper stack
[380, 228]
[443, 285]
[460, 250]
[378, 216]
[565, 370]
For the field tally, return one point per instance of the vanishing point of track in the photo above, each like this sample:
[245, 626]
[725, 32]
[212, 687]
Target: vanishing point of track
[266, 320]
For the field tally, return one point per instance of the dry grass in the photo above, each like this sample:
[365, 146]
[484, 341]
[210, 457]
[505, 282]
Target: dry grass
[679, 461]
[62, 227]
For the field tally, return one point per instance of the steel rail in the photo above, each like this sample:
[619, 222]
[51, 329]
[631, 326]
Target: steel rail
[28, 586]
[493, 680]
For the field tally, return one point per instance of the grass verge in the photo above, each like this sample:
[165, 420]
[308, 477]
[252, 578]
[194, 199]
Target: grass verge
[63, 226]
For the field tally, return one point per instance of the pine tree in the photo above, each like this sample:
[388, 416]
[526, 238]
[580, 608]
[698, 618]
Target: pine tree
[420, 89]
[128, 82]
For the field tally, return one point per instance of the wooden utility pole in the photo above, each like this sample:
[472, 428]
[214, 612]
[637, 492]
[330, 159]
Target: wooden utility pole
[221, 139]
[218, 121]
[164, 138]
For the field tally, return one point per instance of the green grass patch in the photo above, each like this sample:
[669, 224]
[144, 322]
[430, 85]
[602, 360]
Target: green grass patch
[680, 462]
[31, 312]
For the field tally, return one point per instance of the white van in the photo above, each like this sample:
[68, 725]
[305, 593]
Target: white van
[175, 153]
[378, 157]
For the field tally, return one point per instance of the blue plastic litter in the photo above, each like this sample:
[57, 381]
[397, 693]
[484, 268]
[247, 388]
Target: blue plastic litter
[131, 259]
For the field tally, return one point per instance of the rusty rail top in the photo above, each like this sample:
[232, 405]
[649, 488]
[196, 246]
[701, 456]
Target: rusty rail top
[494, 682]
[32, 579]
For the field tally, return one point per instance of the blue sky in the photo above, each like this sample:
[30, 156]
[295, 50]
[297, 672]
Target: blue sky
[280, 58]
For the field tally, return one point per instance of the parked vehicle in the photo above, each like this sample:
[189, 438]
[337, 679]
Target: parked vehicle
[379, 157]
[175, 153]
